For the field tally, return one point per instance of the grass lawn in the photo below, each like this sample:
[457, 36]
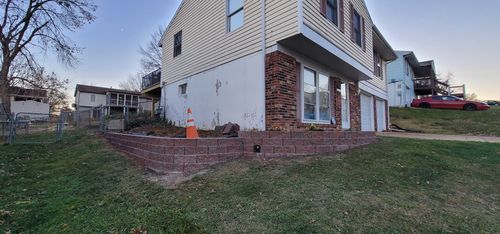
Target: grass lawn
[448, 121]
[397, 185]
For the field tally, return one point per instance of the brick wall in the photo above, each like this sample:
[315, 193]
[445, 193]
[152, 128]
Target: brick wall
[170, 155]
[355, 105]
[281, 91]
[187, 156]
[283, 96]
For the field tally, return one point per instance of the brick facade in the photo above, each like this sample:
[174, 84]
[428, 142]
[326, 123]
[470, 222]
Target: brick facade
[283, 107]
[355, 106]
[188, 156]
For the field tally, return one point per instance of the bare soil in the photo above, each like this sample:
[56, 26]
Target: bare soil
[171, 131]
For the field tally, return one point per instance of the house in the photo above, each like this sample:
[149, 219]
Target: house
[276, 65]
[88, 98]
[150, 87]
[31, 103]
[408, 79]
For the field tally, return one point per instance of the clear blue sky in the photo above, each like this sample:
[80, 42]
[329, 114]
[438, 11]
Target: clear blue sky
[461, 37]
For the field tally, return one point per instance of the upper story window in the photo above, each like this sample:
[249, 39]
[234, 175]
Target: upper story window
[357, 30]
[377, 64]
[235, 14]
[316, 97]
[92, 98]
[332, 11]
[178, 44]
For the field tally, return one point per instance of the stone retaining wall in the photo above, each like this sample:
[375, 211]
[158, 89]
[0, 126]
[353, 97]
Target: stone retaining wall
[188, 156]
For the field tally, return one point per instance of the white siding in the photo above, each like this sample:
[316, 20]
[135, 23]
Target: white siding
[227, 93]
[84, 99]
[315, 20]
[205, 40]
[281, 20]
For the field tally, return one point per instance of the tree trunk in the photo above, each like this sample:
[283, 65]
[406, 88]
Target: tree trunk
[4, 87]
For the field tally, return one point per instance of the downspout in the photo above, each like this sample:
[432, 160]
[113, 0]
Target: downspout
[263, 40]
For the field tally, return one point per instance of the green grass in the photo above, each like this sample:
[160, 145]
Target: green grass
[485, 123]
[397, 185]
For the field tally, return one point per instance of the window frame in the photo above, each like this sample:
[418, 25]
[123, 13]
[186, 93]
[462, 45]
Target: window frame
[317, 105]
[335, 10]
[178, 46]
[378, 69]
[183, 89]
[355, 14]
[230, 14]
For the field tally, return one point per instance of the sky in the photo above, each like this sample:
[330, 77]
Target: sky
[461, 38]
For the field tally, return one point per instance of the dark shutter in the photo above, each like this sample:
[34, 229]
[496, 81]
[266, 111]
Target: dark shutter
[363, 33]
[323, 7]
[351, 8]
[341, 16]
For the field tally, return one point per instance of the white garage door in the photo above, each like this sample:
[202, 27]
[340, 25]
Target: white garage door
[381, 120]
[367, 116]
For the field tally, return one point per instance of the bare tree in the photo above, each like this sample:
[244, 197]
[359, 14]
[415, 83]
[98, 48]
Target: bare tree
[133, 83]
[152, 53]
[28, 26]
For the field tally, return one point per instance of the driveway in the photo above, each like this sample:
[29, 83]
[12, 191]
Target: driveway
[441, 137]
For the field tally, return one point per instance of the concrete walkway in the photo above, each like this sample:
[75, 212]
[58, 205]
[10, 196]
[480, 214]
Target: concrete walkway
[425, 136]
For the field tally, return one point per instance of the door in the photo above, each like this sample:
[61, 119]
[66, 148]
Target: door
[381, 116]
[367, 116]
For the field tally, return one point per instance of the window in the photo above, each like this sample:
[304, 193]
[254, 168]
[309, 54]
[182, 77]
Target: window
[92, 98]
[356, 28]
[235, 14]
[332, 11]
[377, 60]
[183, 89]
[316, 96]
[135, 101]
[178, 44]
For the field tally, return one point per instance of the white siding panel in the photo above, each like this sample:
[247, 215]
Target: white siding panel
[281, 20]
[205, 40]
[315, 20]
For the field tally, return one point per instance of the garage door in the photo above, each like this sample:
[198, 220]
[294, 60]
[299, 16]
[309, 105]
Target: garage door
[367, 116]
[381, 120]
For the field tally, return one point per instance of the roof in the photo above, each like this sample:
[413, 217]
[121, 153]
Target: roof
[102, 90]
[22, 92]
[382, 46]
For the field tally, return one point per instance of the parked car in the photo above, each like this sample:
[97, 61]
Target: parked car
[493, 103]
[449, 102]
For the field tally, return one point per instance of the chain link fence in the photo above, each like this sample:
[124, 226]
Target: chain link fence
[34, 128]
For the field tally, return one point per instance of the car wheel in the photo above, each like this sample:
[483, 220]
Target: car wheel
[425, 105]
[470, 107]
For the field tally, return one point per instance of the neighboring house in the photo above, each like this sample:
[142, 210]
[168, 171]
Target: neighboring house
[88, 98]
[276, 65]
[408, 79]
[31, 103]
[151, 87]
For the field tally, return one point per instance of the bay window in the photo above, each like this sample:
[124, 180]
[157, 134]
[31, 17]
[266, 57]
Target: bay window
[316, 97]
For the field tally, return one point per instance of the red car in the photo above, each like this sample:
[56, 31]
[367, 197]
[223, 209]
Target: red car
[449, 102]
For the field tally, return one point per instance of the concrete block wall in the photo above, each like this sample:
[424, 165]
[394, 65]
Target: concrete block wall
[188, 156]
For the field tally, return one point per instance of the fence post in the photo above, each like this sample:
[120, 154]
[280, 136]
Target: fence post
[102, 125]
[12, 128]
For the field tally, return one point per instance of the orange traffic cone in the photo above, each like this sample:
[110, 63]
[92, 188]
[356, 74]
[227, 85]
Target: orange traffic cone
[191, 131]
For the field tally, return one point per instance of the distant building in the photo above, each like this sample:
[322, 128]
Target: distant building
[31, 103]
[114, 100]
[408, 79]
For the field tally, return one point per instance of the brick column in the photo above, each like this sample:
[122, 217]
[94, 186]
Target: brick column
[355, 106]
[281, 92]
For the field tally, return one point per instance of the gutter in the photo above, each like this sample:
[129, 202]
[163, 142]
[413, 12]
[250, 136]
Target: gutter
[263, 40]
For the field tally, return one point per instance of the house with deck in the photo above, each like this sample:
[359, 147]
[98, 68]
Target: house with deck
[408, 78]
[89, 98]
[285, 65]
